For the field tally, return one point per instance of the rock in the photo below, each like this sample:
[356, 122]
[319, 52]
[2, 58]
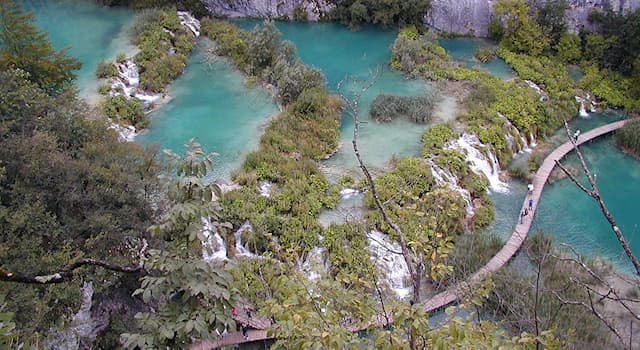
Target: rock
[472, 17]
[315, 9]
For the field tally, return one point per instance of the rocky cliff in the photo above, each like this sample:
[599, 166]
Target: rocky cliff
[470, 17]
[268, 8]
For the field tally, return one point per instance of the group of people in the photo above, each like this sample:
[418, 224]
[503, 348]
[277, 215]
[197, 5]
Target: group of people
[528, 208]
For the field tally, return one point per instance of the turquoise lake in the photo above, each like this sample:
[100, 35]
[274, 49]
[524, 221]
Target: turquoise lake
[213, 103]
[92, 33]
[464, 49]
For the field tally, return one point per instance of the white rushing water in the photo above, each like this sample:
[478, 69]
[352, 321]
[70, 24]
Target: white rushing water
[537, 89]
[125, 133]
[265, 189]
[347, 193]
[384, 253]
[214, 247]
[445, 178]
[481, 162]
[314, 265]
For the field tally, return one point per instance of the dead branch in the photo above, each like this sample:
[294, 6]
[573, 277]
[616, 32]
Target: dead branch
[66, 274]
[595, 194]
[353, 107]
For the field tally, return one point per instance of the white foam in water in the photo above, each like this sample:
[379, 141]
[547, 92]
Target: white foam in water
[347, 193]
[314, 264]
[469, 145]
[125, 133]
[189, 22]
[443, 177]
[392, 264]
[265, 189]
[583, 110]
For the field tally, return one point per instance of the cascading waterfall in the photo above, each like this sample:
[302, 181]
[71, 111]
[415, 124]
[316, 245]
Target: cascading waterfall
[386, 254]
[445, 178]
[314, 265]
[214, 247]
[347, 193]
[482, 162]
[537, 89]
[517, 141]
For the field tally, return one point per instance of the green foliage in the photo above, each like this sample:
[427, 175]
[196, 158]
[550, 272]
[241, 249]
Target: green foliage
[25, 47]
[550, 17]
[230, 40]
[434, 138]
[196, 7]
[300, 15]
[418, 109]
[182, 283]
[418, 54]
[471, 252]
[125, 110]
[8, 332]
[628, 137]
[387, 13]
[568, 48]
[262, 48]
[520, 34]
[551, 75]
[619, 36]
[162, 56]
[104, 89]
[106, 69]
[483, 54]
[69, 189]
[615, 89]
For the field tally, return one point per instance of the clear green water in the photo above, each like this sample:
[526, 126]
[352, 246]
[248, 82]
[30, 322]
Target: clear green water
[212, 103]
[464, 49]
[574, 218]
[92, 32]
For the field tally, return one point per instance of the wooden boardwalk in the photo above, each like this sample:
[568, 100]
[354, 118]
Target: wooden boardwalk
[455, 293]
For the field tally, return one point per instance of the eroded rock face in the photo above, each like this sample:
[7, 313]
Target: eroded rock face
[268, 8]
[472, 17]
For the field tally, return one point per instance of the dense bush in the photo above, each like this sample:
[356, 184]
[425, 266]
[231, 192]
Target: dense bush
[418, 54]
[162, 56]
[106, 69]
[434, 138]
[418, 109]
[125, 111]
[384, 12]
[483, 54]
[628, 137]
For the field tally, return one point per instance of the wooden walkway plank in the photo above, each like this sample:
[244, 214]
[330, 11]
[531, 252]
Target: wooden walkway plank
[455, 293]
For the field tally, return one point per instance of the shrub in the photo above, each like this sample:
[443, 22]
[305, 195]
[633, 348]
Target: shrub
[483, 54]
[127, 111]
[300, 15]
[104, 89]
[106, 69]
[628, 137]
[435, 137]
[419, 109]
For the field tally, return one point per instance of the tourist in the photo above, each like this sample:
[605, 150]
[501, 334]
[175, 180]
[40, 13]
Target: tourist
[530, 188]
[245, 330]
[530, 204]
[526, 211]
[522, 217]
[576, 134]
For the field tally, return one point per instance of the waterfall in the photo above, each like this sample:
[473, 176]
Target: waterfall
[384, 253]
[537, 89]
[482, 162]
[265, 189]
[125, 133]
[347, 193]
[189, 22]
[522, 144]
[445, 178]
[213, 247]
[243, 250]
[583, 110]
[314, 265]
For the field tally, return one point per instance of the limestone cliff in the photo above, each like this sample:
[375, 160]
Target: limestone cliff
[473, 16]
[470, 17]
[268, 8]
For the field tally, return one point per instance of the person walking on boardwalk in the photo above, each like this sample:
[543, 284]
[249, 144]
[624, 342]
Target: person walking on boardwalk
[530, 204]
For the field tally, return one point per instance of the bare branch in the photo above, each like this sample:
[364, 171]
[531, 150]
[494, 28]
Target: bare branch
[596, 195]
[67, 273]
[353, 108]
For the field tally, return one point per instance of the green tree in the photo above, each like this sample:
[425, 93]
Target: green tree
[23, 46]
[568, 48]
[521, 33]
[191, 298]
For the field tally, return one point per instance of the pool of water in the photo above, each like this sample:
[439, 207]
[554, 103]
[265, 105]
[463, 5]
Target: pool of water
[464, 49]
[340, 52]
[92, 33]
[212, 103]
[570, 215]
